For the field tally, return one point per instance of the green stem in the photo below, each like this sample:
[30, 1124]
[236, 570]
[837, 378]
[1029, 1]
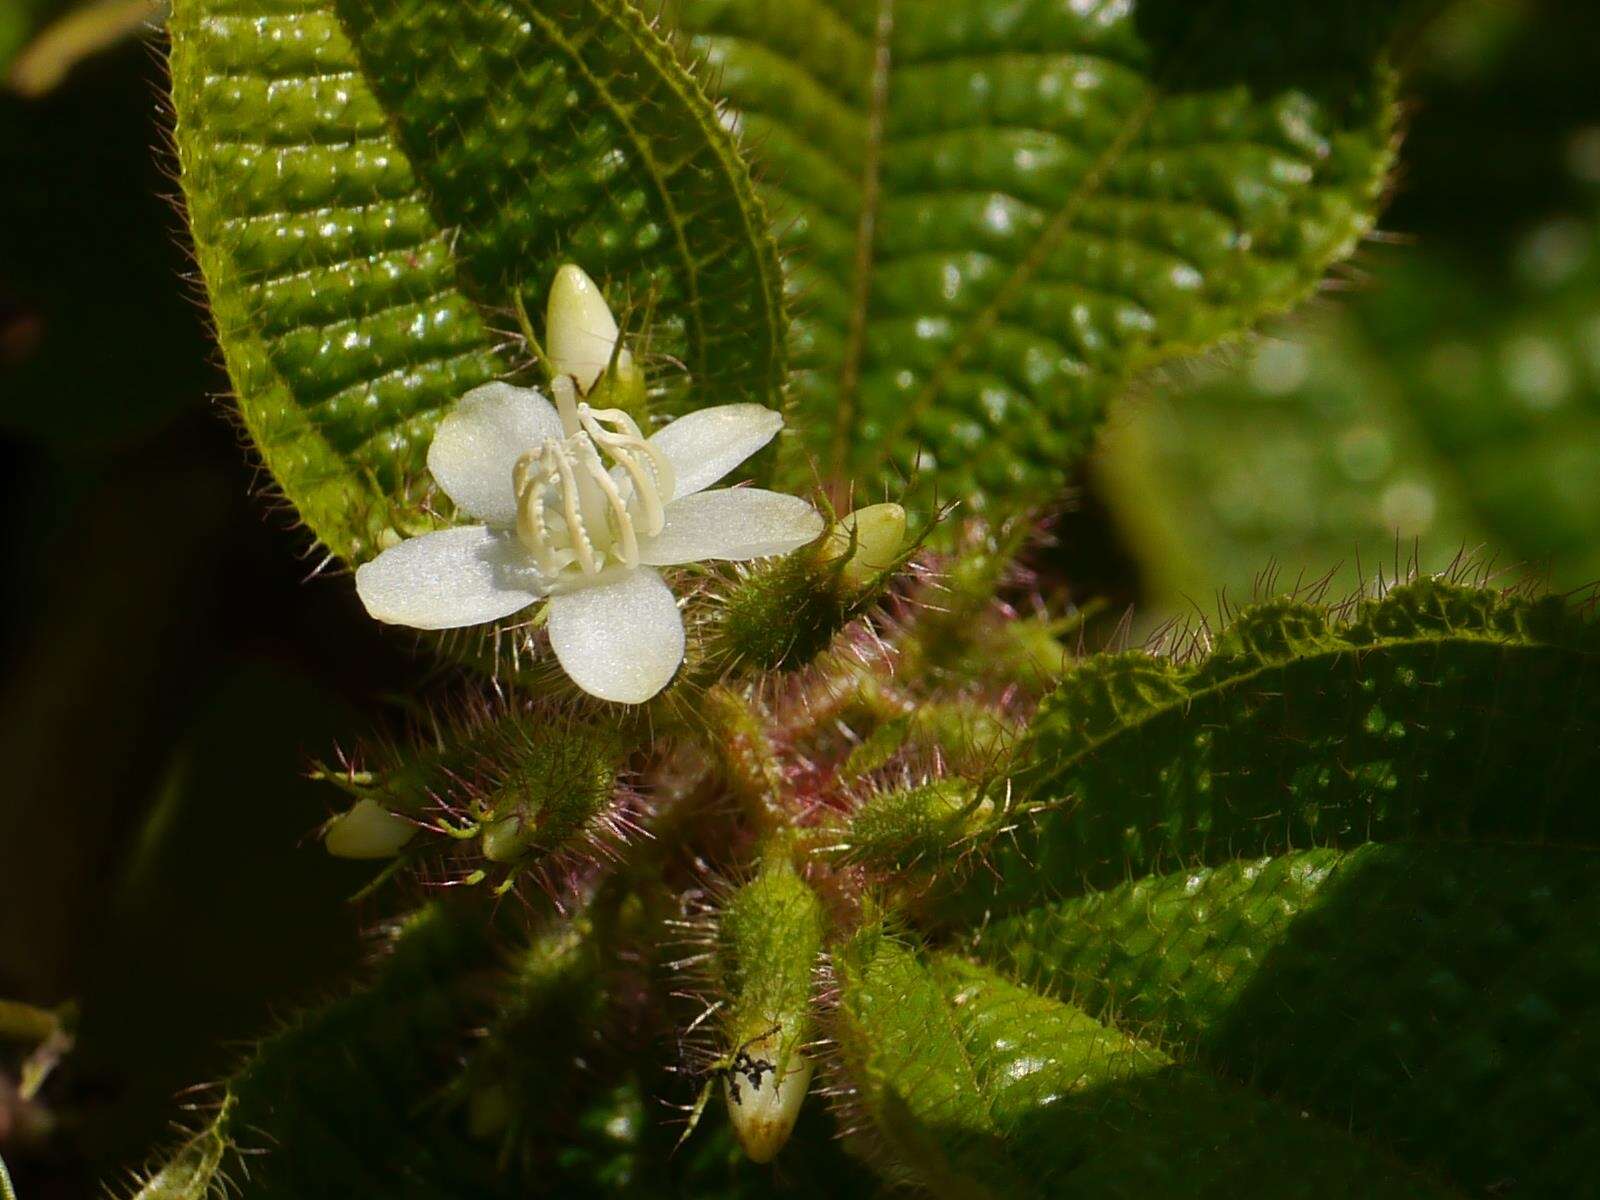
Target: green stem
[21, 1022]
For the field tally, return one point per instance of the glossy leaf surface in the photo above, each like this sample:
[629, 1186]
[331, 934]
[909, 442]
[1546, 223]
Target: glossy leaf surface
[373, 186]
[997, 214]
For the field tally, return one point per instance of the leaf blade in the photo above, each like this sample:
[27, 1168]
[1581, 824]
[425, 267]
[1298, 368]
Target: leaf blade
[367, 207]
[1392, 988]
[975, 202]
[1409, 720]
[979, 1087]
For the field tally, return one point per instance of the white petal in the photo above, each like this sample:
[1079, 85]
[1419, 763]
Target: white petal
[478, 444]
[704, 446]
[732, 523]
[620, 641]
[454, 577]
[580, 331]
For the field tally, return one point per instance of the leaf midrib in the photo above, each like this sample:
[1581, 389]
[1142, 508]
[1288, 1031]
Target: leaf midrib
[866, 239]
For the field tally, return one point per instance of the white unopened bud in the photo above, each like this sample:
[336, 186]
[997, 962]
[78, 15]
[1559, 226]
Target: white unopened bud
[368, 830]
[580, 332]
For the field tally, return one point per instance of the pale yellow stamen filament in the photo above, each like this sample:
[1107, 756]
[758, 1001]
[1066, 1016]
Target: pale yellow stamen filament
[571, 502]
[619, 521]
[629, 450]
[571, 511]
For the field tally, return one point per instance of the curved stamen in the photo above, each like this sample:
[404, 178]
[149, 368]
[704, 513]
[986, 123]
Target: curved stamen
[620, 521]
[629, 449]
[531, 477]
[571, 508]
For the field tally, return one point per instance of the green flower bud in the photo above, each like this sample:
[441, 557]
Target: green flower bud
[548, 793]
[768, 940]
[872, 537]
[782, 614]
[928, 825]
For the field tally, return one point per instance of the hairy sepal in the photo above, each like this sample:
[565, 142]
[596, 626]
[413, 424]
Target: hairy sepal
[768, 940]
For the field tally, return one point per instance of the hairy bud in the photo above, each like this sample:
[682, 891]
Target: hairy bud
[548, 794]
[769, 937]
[782, 614]
[931, 825]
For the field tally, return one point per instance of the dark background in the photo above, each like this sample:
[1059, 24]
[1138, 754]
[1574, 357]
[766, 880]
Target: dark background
[169, 669]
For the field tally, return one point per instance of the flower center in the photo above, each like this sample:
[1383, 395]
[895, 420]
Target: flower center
[574, 512]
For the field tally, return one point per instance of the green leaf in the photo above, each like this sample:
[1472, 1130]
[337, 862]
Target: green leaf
[343, 1101]
[1455, 405]
[372, 185]
[1345, 859]
[1414, 716]
[1441, 998]
[998, 213]
[1306, 457]
[976, 1087]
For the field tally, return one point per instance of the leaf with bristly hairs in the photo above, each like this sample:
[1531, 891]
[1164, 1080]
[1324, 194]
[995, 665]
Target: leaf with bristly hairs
[996, 214]
[375, 186]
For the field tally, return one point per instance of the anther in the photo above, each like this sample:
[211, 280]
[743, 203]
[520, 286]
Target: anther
[571, 509]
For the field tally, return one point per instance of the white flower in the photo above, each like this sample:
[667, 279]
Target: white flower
[578, 506]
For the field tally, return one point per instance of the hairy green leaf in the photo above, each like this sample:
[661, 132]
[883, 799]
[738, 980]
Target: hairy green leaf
[1441, 998]
[1419, 715]
[977, 1087]
[999, 212]
[1344, 858]
[374, 184]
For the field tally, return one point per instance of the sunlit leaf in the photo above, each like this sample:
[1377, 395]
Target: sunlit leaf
[372, 186]
[998, 213]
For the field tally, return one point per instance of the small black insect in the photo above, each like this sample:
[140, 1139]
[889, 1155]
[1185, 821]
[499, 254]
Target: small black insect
[731, 1069]
[741, 1063]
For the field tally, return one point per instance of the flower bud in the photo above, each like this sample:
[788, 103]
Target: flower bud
[873, 537]
[367, 830]
[580, 332]
[764, 1115]
[546, 791]
[769, 937]
[781, 614]
[929, 825]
